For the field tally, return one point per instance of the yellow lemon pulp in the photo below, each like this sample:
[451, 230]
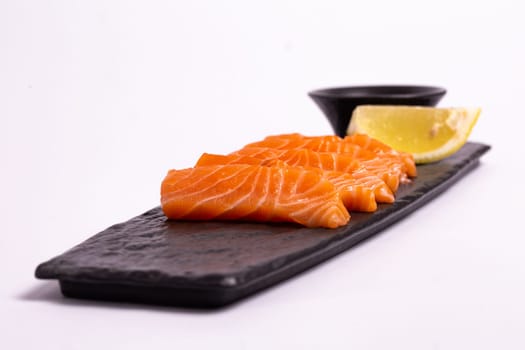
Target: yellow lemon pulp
[430, 134]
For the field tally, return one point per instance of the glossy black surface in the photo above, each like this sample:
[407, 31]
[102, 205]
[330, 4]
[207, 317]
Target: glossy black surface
[149, 259]
[338, 103]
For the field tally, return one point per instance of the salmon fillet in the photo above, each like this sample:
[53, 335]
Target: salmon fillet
[355, 194]
[302, 157]
[373, 173]
[207, 159]
[309, 180]
[368, 143]
[253, 192]
[358, 193]
[387, 166]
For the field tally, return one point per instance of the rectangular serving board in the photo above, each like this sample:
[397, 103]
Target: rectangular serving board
[150, 259]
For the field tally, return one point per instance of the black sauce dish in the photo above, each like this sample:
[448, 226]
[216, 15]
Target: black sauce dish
[338, 103]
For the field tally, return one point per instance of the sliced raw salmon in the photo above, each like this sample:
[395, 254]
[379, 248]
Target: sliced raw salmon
[329, 143]
[207, 159]
[338, 163]
[253, 192]
[304, 157]
[334, 144]
[339, 167]
[371, 144]
[356, 194]
[375, 174]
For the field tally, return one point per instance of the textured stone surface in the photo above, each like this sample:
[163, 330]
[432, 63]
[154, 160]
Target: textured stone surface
[154, 260]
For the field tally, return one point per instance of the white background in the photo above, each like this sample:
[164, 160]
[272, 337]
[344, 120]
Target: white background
[98, 99]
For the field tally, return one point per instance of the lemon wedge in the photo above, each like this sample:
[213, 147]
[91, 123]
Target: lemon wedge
[429, 133]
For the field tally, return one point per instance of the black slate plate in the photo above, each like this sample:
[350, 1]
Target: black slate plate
[149, 259]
